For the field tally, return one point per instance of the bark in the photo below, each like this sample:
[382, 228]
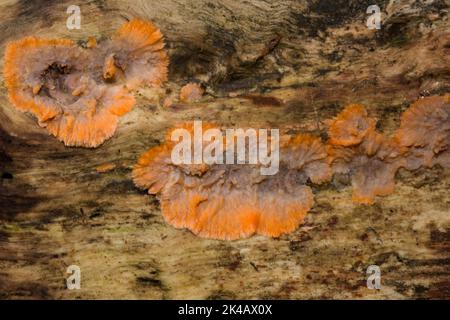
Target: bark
[285, 64]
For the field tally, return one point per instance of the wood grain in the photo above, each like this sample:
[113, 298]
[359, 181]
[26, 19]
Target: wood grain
[286, 64]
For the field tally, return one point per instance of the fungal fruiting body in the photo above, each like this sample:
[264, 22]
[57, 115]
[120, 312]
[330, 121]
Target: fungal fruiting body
[191, 92]
[231, 201]
[373, 159]
[355, 148]
[78, 94]
[425, 133]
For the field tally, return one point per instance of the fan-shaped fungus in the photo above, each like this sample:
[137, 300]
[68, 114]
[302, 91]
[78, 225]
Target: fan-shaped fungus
[357, 149]
[78, 94]
[231, 201]
[350, 126]
[425, 131]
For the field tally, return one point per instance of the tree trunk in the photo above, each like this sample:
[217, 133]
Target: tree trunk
[285, 64]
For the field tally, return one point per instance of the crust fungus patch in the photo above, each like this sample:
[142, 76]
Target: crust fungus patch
[191, 92]
[351, 126]
[78, 94]
[372, 159]
[232, 201]
[356, 148]
[425, 132]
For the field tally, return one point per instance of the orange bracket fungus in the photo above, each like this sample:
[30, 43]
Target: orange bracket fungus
[356, 148]
[232, 201]
[425, 133]
[78, 94]
[372, 159]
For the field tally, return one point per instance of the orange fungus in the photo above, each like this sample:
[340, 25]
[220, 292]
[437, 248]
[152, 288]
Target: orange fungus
[232, 201]
[191, 92]
[372, 159]
[78, 94]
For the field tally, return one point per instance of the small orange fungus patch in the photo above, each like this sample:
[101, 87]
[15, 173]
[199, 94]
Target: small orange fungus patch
[425, 131]
[105, 167]
[192, 92]
[350, 126]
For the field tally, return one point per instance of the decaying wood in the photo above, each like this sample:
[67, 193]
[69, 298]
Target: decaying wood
[285, 64]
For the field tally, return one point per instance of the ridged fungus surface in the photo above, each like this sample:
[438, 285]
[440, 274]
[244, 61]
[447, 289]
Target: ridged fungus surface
[372, 159]
[355, 148]
[232, 201]
[78, 94]
[425, 132]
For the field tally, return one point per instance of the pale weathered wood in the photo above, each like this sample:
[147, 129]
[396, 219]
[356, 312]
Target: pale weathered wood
[287, 64]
